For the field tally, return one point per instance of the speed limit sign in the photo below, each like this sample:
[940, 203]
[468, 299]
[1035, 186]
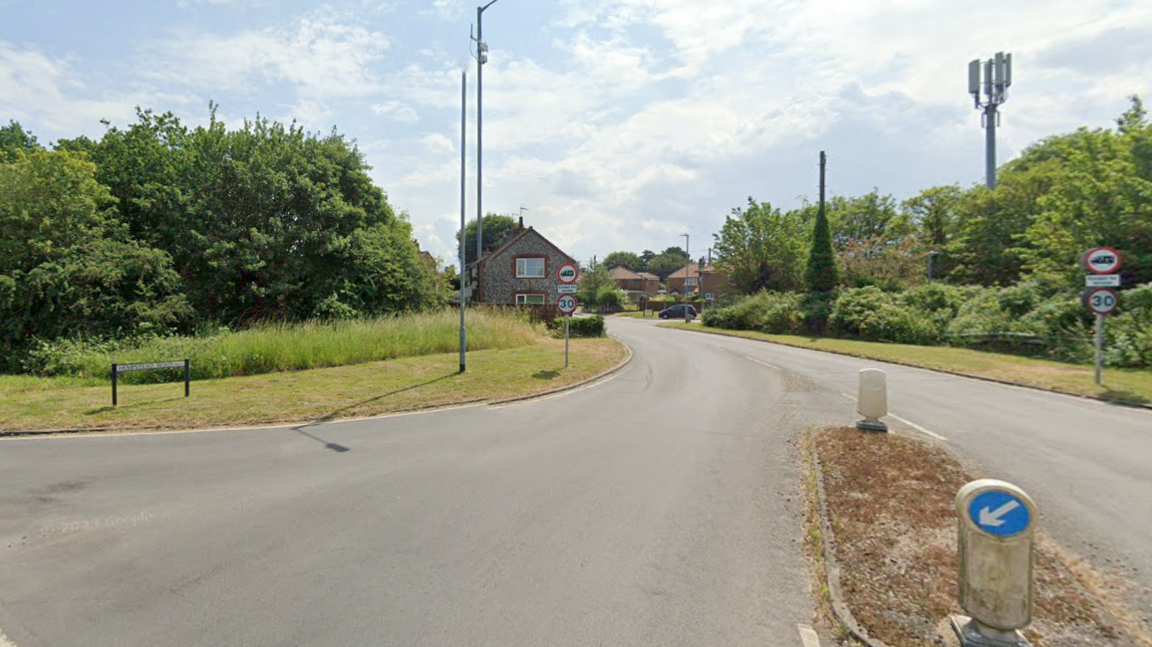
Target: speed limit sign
[1102, 301]
[566, 304]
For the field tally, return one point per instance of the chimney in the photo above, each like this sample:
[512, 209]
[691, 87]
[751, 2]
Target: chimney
[521, 223]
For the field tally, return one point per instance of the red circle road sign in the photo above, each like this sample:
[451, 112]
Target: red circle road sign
[1102, 301]
[568, 273]
[1102, 260]
[566, 304]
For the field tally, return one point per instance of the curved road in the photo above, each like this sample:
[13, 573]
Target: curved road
[659, 507]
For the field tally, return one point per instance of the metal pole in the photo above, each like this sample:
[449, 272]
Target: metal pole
[1099, 349]
[187, 377]
[566, 318]
[463, 230]
[990, 163]
[479, 135]
[114, 373]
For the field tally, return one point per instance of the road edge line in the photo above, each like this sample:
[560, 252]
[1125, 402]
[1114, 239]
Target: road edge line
[1030, 387]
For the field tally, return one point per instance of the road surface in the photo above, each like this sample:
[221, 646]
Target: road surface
[660, 507]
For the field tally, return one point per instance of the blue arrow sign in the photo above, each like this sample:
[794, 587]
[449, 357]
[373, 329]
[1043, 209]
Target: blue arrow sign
[999, 513]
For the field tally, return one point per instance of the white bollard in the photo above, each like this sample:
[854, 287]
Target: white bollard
[872, 400]
[997, 522]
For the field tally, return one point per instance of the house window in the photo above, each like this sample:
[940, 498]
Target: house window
[709, 297]
[530, 299]
[690, 282]
[530, 268]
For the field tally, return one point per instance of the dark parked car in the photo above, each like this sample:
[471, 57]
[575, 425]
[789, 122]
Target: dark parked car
[678, 312]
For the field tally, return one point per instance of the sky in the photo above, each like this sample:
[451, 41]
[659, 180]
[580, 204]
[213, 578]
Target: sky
[615, 124]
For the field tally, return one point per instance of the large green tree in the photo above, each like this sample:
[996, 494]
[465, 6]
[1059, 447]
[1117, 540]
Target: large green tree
[667, 262]
[497, 229]
[628, 260]
[820, 272]
[67, 267]
[264, 222]
[15, 140]
[933, 213]
[761, 248]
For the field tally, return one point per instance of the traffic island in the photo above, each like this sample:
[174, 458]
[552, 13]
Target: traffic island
[883, 526]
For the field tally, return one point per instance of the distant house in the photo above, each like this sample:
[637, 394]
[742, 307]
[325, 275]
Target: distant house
[522, 271]
[638, 285]
[691, 281]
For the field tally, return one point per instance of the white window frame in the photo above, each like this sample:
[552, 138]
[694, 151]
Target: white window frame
[690, 282]
[522, 268]
[529, 299]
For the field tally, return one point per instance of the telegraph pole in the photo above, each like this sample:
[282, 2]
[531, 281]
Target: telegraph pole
[991, 79]
[823, 167]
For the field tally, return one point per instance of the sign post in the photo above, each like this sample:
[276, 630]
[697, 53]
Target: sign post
[567, 274]
[117, 369]
[1102, 263]
[996, 526]
[566, 304]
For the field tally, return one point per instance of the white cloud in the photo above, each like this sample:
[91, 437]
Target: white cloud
[397, 111]
[438, 144]
[319, 55]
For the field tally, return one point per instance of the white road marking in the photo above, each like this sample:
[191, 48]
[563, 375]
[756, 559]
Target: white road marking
[918, 427]
[808, 636]
[926, 432]
[4, 642]
[760, 361]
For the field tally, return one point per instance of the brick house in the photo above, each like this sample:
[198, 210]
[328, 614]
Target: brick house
[636, 284]
[690, 280]
[522, 271]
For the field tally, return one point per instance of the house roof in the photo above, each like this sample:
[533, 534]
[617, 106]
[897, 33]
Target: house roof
[623, 273]
[690, 270]
[521, 234]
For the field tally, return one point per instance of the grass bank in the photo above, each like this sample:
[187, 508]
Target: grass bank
[1133, 386]
[366, 389]
[291, 347]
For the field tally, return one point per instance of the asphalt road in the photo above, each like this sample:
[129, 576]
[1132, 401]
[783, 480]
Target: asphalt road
[1087, 464]
[660, 507]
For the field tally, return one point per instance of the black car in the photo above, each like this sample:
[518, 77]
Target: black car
[678, 312]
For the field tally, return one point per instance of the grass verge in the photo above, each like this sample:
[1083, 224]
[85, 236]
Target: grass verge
[273, 348]
[317, 395]
[1121, 385]
[890, 500]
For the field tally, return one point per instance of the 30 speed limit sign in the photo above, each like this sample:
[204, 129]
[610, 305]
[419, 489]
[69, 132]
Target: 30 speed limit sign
[1102, 301]
[566, 304]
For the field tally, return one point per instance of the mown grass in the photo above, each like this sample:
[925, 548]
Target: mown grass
[287, 347]
[1120, 385]
[366, 389]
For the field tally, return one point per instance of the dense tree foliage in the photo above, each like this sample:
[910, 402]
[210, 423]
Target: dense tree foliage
[820, 273]
[667, 262]
[761, 248]
[627, 260]
[161, 226]
[497, 228]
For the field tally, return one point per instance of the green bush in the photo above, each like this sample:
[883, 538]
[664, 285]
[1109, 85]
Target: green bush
[583, 326]
[1128, 335]
[770, 312]
[871, 313]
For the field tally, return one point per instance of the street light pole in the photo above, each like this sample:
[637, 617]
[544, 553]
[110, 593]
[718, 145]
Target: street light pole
[463, 230]
[481, 59]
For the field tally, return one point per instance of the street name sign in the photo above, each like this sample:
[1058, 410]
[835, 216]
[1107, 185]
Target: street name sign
[566, 289]
[1102, 280]
[568, 273]
[1101, 260]
[566, 304]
